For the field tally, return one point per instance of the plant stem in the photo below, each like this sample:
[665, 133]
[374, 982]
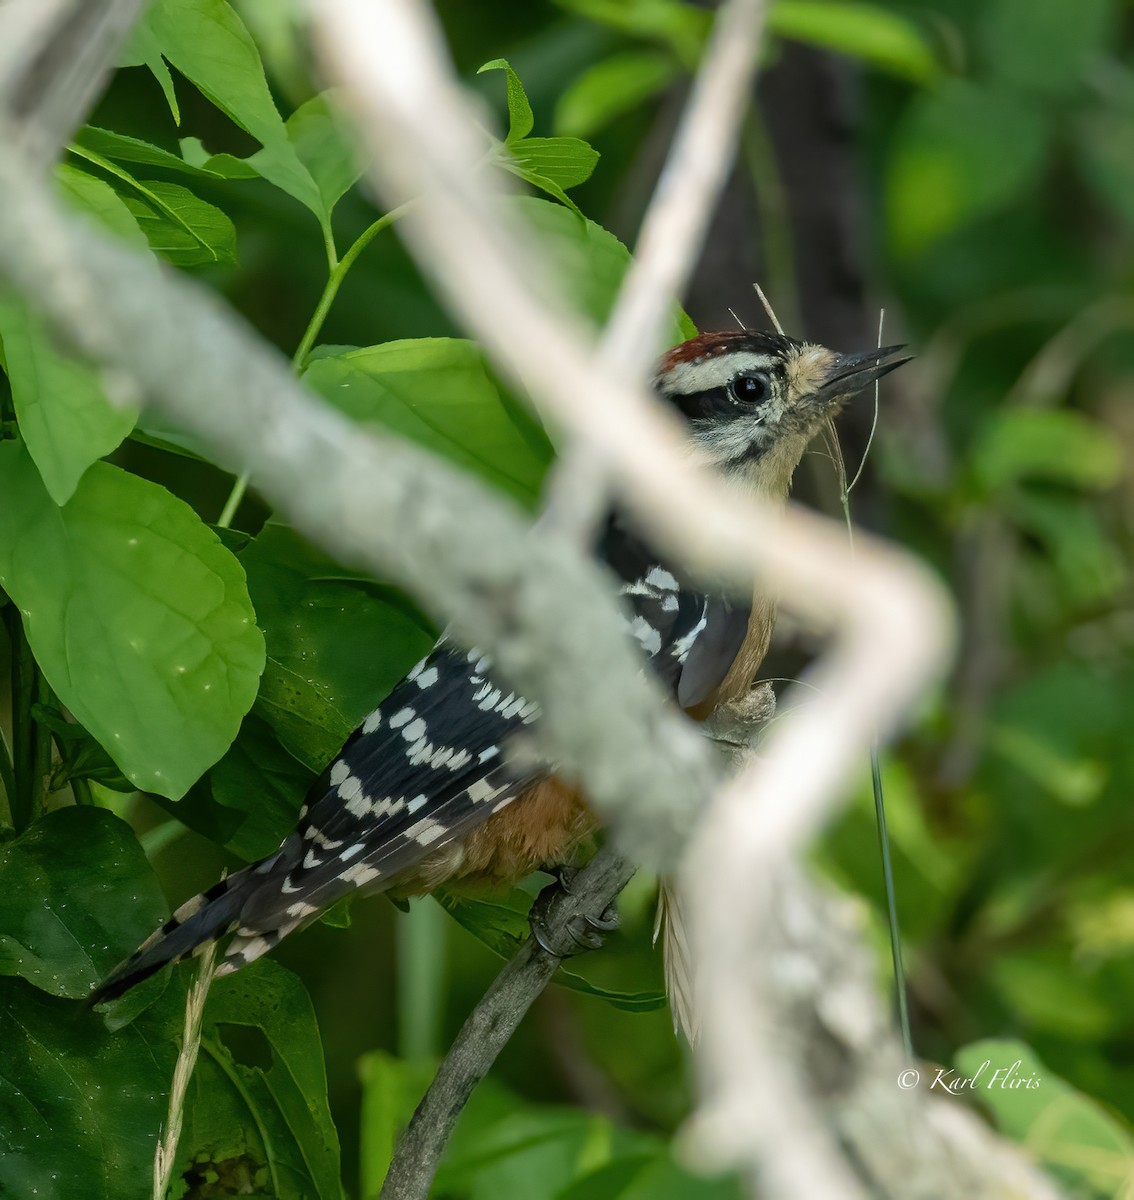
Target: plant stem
[335, 279]
[337, 272]
[421, 980]
[22, 800]
[776, 245]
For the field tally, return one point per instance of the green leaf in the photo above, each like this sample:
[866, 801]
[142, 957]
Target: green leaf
[98, 200]
[615, 973]
[259, 778]
[1048, 49]
[137, 615]
[877, 35]
[962, 152]
[64, 416]
[334, 647]
[391, 1091]
[1068, 1132]
[80, 1106]
[611, 88]
[143, 50]
[261, 1098]
[1090, 564]
[439, 393]
[520, 118]
[75, 888]
[180, 226]
[1055, 444]
[326, 147]
[589, 262]
[684, 28]
[121, 148]
[208, 43]
[563, 161]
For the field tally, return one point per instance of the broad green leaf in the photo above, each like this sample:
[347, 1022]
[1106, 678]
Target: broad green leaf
[877, 35]
[99, 201]
[80, 1106]
[610, 88]
[183, 228]
[616, 973]
[143, 50]
[334, 647]
[75, 888]
[208, 43]
[1056, 444]
[520, 118]
[121, 148]
[589, 262]
[1068, 1132]
[439, 393]
[326, 147]
[63, 415]
[180, 226]
[137, 615]
[565, 161]
[962, 152]
[271, 1114]
[1047, 49]
[259, 778]
[684, 28]
[222, 166]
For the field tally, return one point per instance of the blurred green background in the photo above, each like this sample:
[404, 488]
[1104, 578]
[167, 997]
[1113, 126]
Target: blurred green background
[967, 165]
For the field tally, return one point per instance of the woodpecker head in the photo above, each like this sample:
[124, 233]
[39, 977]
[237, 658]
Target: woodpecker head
[754, 400]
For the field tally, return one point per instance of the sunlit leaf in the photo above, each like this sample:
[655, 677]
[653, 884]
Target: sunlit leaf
[610, 88]
[439, 393]
[208, 43]
[1057, 444]
[138, 616]
[520, 118]
[877, 35]
[1069, 1133]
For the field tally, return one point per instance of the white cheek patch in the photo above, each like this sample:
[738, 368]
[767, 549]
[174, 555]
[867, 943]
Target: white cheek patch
[687, 378]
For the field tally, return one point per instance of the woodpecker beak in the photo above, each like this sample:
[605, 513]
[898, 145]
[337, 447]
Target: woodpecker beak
[851, 373]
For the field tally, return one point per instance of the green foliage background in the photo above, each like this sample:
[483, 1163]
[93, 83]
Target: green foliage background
[181, 665]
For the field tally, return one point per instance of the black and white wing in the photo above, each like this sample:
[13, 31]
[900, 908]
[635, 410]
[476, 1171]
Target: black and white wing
[690, 638]
[426, 767]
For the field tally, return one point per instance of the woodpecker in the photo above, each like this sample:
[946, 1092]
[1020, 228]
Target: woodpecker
[424, 792]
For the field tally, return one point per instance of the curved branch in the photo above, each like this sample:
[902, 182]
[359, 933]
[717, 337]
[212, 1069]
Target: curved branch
[491, 1024]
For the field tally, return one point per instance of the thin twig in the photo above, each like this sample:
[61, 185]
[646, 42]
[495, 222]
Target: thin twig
[491, 1024]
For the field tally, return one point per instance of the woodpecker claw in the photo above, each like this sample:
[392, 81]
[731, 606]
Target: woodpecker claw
[581, 932]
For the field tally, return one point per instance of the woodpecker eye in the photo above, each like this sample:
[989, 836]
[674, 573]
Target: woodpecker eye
[750, 388]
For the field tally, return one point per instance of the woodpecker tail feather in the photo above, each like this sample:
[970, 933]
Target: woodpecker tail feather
[203, 919]
[670, 926]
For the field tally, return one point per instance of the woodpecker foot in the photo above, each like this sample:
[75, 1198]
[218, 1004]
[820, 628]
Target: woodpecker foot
[581, 932]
